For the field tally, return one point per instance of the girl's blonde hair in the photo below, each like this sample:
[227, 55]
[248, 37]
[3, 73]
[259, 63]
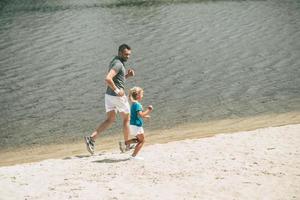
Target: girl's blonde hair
[133, 92]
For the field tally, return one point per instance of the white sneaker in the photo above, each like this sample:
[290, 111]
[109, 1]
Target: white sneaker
[136, 158]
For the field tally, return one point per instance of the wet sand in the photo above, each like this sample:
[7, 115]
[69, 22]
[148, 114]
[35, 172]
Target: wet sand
[187, 131]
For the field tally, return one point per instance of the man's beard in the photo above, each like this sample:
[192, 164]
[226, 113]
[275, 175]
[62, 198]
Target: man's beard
[124, 59]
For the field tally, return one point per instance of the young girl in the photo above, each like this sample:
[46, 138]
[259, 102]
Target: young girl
[136, 119]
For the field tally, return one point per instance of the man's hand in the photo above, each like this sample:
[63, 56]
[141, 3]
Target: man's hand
[120, 92]
[130, 72]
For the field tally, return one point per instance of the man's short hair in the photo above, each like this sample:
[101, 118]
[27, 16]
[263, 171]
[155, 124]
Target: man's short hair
[124, 46]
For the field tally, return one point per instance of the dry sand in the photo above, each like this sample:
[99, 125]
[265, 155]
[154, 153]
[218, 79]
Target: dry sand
[260, 164]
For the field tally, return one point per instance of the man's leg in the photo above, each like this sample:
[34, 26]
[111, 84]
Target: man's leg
[90, 140]
[110, 119]
[126, 130]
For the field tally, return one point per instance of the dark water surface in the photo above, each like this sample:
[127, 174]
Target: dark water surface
[196, 60]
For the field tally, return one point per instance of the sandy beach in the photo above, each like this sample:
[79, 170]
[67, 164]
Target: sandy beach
[222, 76]
[259, 164]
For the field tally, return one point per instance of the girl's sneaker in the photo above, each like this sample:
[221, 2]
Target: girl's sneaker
[136, 158]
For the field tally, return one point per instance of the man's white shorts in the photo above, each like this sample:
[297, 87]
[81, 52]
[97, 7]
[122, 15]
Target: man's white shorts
[116, 103]
[135, 130]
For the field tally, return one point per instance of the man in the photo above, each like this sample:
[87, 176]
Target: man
[115, 98]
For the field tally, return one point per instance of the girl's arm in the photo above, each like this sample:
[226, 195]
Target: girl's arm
[145, 113]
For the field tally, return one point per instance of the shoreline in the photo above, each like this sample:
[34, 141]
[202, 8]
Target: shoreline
[185, 131]
[258, 164]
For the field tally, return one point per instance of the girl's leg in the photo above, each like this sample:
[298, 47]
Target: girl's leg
[132, 141]
[141, 141]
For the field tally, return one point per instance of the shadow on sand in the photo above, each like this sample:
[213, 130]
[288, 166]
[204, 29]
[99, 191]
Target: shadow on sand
[108, 160]
[82, 156]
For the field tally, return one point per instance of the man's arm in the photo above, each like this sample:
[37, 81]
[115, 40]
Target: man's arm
[109, 80]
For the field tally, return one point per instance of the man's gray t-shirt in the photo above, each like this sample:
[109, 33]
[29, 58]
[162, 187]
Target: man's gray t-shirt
[119, 79]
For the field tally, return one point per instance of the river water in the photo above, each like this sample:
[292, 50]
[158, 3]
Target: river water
[196, 60]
